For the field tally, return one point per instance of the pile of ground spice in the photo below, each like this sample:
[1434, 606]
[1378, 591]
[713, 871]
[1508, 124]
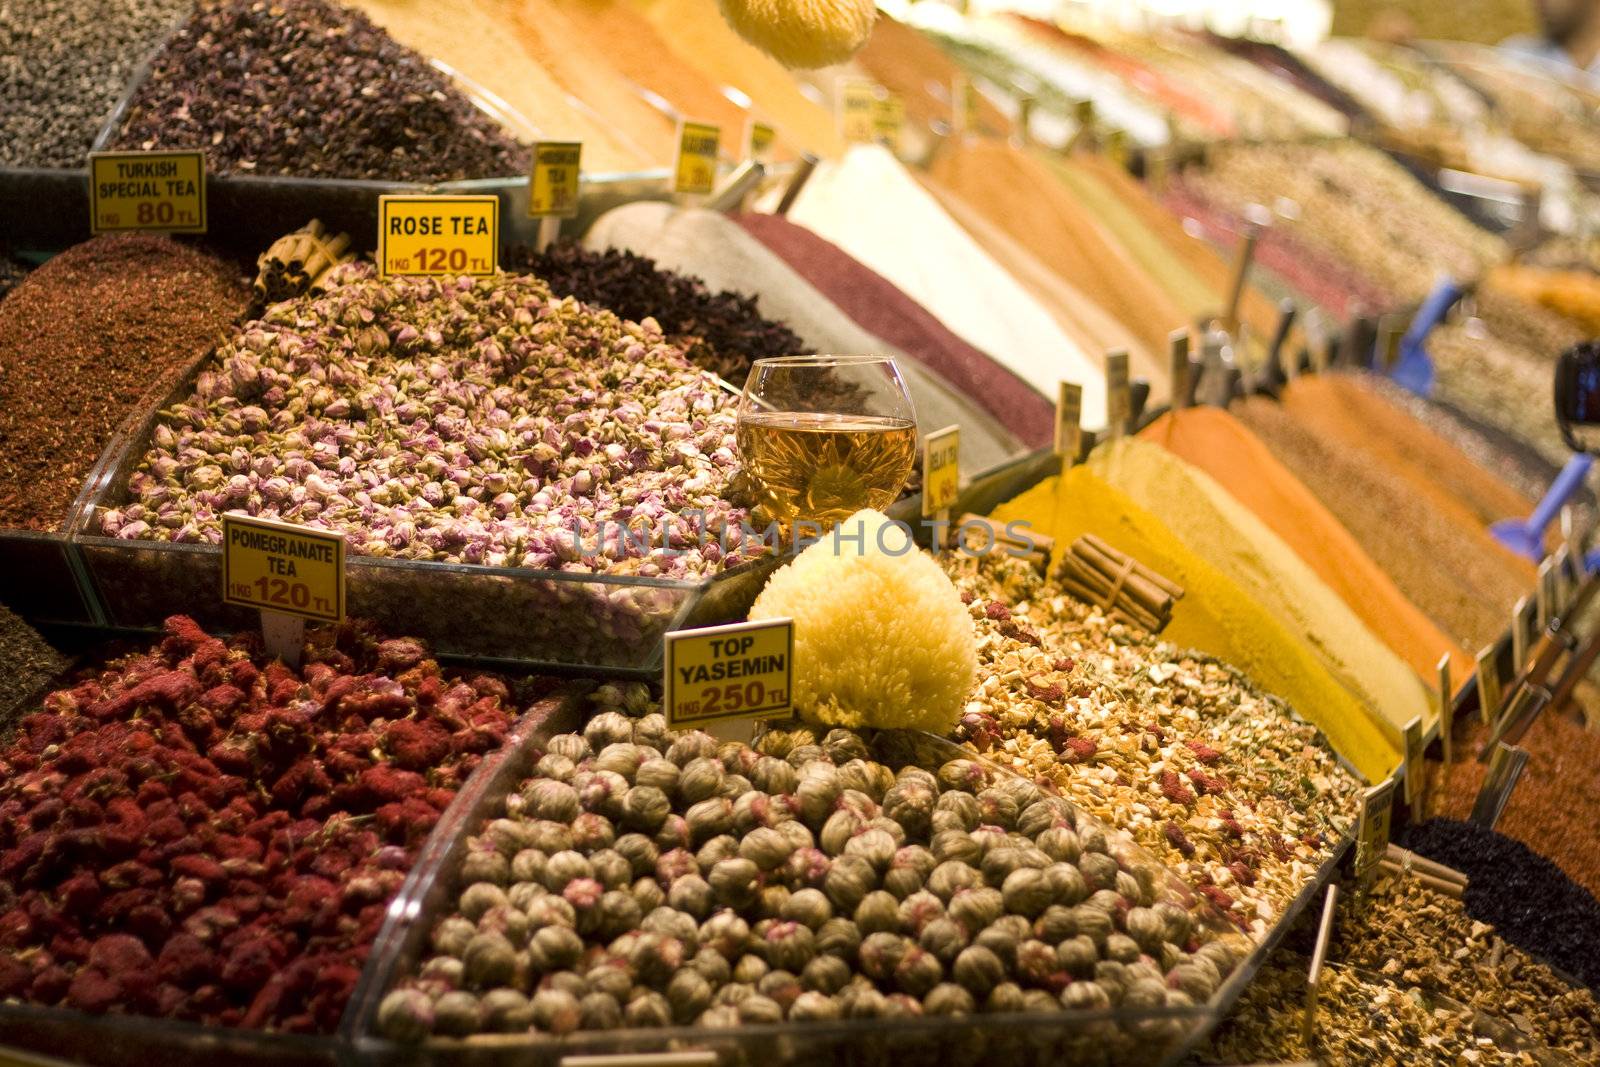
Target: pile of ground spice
[700, 37]
[1216, 527]
[872, 207]
[1214, 441]
[87, 337]
[27, 665]
[1557, 793]
[1525, 896]
[1021, 193]
[721, 331]
[292, 87]
[1216, 614]
[1436, 548]
[879, 307]
[921, 74]
[644, 57]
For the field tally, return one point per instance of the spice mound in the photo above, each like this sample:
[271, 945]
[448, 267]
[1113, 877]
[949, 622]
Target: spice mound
[462, 420]
[722, 332]
[27, 665]
[196, 832]
[642, 877]
[310, 88]
[1225, 785]
[83, 338]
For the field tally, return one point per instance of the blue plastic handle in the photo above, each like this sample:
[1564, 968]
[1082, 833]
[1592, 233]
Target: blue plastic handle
[1567, 482]
[1414, 370]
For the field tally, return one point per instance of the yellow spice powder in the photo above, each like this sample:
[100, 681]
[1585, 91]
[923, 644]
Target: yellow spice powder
[1222, 530]
[1216, 615]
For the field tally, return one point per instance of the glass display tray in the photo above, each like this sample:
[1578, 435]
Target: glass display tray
[137, 1040]
[1157, 1037]
[507, 616]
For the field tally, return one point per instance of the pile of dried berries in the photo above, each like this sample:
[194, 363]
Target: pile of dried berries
[27, 664]
[198, 833]
[464, 420]
[643, 878]
[86, 337]
[1524, 896]
[1421, 938]
[1360, 1020]
[720, 332]
[313, 89]
[63, 64]
[1222, 783]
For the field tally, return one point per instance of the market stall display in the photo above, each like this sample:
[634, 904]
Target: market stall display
[1073, 723]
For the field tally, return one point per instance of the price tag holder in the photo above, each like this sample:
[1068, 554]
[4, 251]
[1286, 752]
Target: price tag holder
[888, 121]
[553, 187]
[291, 573]
[1319, 956]
[1069, 421]
[1372, 832]
[1521, 633]
[438, 235]
[1413, 766]
[694, 172]
[858, 110]
[740, 671]
[1446, 710]
[163, 191]
[1119, 401]
[758, 141]
[941, 470]
[1178, 367]
[1489, 685]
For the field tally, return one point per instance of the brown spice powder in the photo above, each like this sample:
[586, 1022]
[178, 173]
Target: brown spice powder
[83, 341]
[1446, 565]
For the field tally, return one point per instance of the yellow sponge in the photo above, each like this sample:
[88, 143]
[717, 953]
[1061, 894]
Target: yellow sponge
[881, 637]
[803, 33]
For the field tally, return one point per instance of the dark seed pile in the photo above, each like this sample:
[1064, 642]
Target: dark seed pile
[63, 66]
[722, 332]
[313, 89]
[27, 664]
[1533, 904]
[82, 341]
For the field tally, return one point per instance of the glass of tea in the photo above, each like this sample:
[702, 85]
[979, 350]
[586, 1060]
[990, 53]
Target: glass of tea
[821, 437]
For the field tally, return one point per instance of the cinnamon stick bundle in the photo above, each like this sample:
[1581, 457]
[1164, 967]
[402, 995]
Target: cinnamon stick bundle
[1126, 589]
[297, 261]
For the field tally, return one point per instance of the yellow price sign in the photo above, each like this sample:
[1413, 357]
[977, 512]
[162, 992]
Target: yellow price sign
[282, 567]
[888, 121]
[1119, 398]
[147, 191]
[1413, 765]
[741, 671]
[438, 235]
[969, 106]
[758, 141]
[1372, 832]
[1069, 421]
[1117, 147]
[1489, 694]
[695, 170]
[553, 187]
[941, 470]
[858, 109]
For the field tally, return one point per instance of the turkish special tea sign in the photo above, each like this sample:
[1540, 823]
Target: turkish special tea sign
[164, 191]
